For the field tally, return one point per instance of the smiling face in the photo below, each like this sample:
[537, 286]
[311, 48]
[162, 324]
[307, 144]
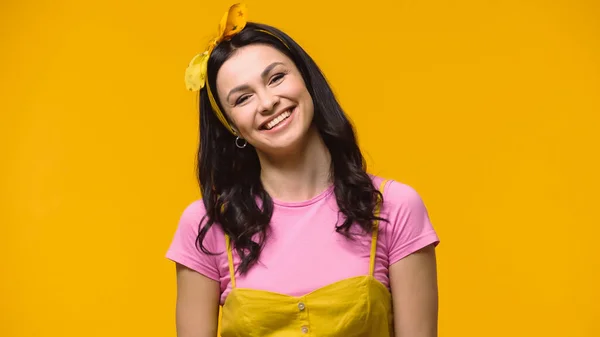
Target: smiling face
[264, 95]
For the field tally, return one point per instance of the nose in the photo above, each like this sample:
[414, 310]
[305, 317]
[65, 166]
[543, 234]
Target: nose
[267, 103]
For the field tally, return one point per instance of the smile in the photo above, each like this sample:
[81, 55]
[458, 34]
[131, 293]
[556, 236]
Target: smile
[277, 120]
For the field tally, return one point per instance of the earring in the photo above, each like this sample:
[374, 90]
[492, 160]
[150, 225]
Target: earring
[237, 142]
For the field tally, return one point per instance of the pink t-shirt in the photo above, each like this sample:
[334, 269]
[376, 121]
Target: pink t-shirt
[303, 251]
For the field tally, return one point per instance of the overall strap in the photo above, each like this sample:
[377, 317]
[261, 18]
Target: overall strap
[375, 232]
[230, 260]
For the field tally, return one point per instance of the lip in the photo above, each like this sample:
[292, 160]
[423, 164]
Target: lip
[284, 123]
[292, 108]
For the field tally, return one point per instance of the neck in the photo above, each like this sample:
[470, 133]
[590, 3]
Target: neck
[299, 175]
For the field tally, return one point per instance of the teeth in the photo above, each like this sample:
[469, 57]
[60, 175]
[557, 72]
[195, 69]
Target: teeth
[284, 115]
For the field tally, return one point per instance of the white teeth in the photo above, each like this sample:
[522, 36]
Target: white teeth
[284, 115]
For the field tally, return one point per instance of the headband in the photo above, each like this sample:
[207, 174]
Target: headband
[232, 22]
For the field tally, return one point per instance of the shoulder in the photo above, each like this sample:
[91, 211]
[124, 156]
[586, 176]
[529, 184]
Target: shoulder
[407, 227]
[185, 248]
[398, 195]
[192, 218]
[194, 211]
[404, 209]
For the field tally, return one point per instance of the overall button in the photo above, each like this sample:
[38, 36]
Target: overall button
[305, 329]
[301, 306]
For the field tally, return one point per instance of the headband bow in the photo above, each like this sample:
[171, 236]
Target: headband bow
[232, 22]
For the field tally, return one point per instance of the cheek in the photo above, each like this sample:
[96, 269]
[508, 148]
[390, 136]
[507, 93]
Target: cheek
[243, 117]
[298, 90]
[307, 100]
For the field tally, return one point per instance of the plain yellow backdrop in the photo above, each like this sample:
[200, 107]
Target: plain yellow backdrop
[488, 108]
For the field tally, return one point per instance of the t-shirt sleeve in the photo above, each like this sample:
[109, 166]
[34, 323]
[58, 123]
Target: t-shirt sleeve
[410, 227]
[183, 248]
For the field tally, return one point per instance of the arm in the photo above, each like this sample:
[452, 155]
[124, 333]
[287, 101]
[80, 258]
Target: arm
[413, 282]
[198, 275]
[197, 307]
[411, 242]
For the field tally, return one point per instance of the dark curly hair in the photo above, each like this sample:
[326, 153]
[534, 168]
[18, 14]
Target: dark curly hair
[229, 177]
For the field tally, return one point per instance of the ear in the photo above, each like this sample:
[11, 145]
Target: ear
[235, 130]
[233, 127]
[231, 122]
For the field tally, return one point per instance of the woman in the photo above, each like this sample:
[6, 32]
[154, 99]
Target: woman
[292, 236]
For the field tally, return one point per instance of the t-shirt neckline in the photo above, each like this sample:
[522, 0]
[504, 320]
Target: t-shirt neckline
[325, 193]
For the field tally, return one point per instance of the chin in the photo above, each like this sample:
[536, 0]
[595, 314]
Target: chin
[284, 143]
[281, 146]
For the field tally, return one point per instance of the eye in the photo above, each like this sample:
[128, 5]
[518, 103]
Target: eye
[277, 78]
[241, 99]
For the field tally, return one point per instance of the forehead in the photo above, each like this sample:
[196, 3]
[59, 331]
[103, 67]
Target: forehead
[246, 64]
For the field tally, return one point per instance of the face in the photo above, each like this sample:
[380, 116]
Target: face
[264, 94]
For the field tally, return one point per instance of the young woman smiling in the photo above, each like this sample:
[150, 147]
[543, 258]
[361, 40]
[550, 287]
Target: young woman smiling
[292, 236]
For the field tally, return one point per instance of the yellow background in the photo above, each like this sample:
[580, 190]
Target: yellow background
[488, 108]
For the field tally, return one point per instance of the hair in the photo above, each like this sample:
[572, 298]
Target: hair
[229, 177]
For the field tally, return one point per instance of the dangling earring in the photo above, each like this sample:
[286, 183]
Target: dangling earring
[237, 142]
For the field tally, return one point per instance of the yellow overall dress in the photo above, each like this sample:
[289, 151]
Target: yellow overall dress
[353, 307]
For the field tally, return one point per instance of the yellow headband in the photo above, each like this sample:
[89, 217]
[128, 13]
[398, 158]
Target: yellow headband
[232, 22]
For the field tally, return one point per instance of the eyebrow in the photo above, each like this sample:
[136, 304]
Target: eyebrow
[263, 75]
